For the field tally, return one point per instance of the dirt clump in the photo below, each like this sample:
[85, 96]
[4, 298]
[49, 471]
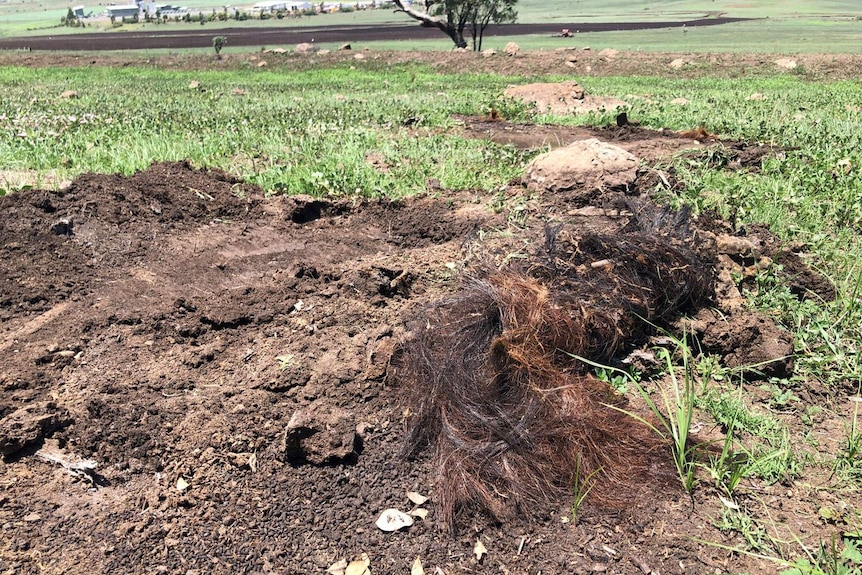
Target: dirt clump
[586, 166]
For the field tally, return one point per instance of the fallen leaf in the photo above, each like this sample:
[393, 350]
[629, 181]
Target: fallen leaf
[417, 568]
[359, 567]
[828, 513]
[416, 498]
[420, 513]
[182, 484]
[729, 503]
[393, 520]
[479, 550]
[338, 567]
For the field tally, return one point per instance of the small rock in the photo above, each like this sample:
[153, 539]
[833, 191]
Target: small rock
[609, 53]
[393, 520]
[734, 245]
[321, 434]
[512, 49]
[677, 64]
[69, 94]
[305, 48]
[29, 425]
[345, 47]
[359, 56]
[32, 517]
[582, 167]
[679, 101]
[261, 64]
[488, 53]
[194, 85]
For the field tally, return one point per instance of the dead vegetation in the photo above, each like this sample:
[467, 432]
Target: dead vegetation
[495, 382]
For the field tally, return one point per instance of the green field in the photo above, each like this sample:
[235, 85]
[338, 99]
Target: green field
[798, 26]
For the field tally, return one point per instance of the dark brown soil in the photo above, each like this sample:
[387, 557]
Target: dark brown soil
[164, 37]
[225, 360]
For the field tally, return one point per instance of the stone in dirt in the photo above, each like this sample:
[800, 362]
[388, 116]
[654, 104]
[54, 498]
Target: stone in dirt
[321, 434]
[786, 63]
[512, 49]
[585, 166]
[28, 426]
[305, 48]
[750, 341]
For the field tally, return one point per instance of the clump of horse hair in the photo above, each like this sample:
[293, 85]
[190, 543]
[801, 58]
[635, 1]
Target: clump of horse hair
[495, 388]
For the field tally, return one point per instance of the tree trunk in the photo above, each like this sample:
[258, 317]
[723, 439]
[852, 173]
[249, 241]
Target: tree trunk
[449, 28]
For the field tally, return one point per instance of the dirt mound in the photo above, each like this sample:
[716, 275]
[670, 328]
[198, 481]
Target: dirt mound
[561, 98]
[222, 360]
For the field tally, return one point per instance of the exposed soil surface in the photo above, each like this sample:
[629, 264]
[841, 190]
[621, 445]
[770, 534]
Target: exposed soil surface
[221, 373]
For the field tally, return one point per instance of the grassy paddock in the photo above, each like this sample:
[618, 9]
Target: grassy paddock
[320, 131]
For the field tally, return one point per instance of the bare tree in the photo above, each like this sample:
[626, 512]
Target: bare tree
[452, 16]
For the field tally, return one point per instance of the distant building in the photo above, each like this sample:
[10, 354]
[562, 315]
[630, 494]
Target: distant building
[122, 11]
[278, 5]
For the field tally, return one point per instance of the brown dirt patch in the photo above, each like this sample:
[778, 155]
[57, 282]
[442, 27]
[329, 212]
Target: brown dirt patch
[569, 60]
[226, 360]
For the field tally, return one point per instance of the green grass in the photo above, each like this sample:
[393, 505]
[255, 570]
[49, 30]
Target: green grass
[306, 132]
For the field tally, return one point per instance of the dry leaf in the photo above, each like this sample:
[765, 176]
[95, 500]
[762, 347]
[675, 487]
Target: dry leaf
[728, 503]
[417, 568]
[479, 550]
[182, 484]
[337, 568]
[359, 567]
[416, 498]
[420, 513]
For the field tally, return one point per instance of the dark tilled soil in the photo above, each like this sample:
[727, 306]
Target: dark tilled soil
[225, 360]
[164, 37]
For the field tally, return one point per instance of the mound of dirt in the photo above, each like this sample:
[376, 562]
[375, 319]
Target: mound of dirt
[230, 366]
[586, 166]
[561, 98]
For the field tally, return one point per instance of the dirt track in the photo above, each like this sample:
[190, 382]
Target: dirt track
[164, 37]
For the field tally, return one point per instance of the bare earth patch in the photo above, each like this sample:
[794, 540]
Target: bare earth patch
[235, 368]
